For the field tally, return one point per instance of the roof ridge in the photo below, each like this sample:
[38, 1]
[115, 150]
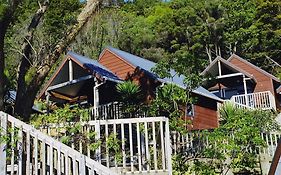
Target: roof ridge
[110, 48]
[254, 66]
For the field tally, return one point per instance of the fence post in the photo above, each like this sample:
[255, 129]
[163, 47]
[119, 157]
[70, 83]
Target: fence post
[272, 101]
[82, 164]
[168, 147]
[97, 137]
[3, 143]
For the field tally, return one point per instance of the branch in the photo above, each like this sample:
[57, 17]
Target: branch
[277, 64]
[22, 54]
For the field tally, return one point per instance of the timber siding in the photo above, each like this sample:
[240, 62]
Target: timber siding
[264, 82]
[204, 118]
[116, 64]
[126, 71]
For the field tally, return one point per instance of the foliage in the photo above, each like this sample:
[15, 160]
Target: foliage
[130, 96]
[67, 125]
[129, 92]
[188, 33]
[113, 146]
[233, 145]
[10, 139]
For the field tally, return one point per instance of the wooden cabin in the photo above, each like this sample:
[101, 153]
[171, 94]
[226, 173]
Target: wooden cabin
[80, 80]
[131, 67]
[243, 83]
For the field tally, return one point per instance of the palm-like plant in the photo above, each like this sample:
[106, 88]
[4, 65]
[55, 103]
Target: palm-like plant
[129, 92]
[130, 97]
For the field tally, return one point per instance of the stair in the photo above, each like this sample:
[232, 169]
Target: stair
[26, 150]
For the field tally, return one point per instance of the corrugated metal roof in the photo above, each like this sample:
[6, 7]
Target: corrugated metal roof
[94, 66]
[147, 65]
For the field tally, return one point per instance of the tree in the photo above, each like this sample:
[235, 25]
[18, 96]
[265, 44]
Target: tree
[53, 31]
[7, 10]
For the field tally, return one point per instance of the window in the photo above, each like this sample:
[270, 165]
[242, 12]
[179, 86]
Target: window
[189, 110]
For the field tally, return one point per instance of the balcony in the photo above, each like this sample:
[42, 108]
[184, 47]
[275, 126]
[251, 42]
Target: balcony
[260, 100]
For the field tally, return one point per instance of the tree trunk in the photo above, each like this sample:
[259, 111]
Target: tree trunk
[22, 91]
[27, 93]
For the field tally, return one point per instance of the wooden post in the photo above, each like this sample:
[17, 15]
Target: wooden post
[168, 147]
[13, 149]
[97, 137]
[219, 66]
[70, 69]
[245, 91]
[3, 125]
[48, 101]
[28, 152]
[265, 164]
[162, 145]
[20, 151]
[82, 169]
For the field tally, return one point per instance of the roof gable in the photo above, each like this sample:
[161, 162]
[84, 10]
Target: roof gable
[89, 66]
[227, 64]
[233, 56]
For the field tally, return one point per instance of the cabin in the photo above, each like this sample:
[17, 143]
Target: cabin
[126, 66]
[243, 83]
[80, 80]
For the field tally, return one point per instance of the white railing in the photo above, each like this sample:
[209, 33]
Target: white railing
[114, 110]
[144, 143]
[260, 100]
[31, 152]
[195, 141]
[185, 142]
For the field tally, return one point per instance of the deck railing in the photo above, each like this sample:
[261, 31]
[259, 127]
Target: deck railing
[114, 110]
[29, 151]
[144, 143]
[192, 142]
[260, 100]
[192, 139]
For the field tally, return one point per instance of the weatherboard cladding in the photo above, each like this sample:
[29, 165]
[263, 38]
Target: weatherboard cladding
[264, 81]
[206, 118]
[147, 66]
[115, 64]
[234, 56]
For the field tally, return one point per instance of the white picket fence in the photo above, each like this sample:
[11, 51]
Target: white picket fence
[260, 100]
[144, 143]
[29, 151]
